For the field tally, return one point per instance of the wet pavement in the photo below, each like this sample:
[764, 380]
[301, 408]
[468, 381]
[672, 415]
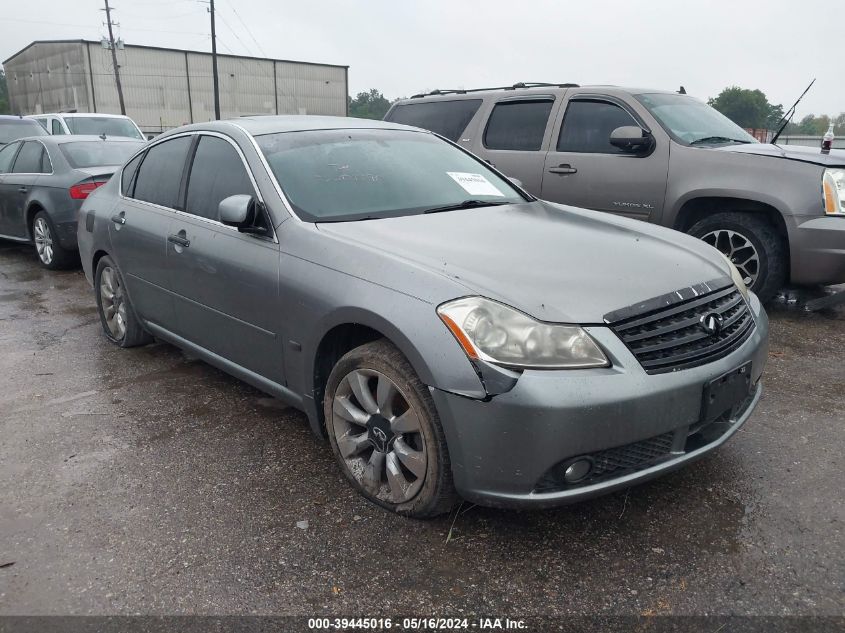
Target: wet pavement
[142, 481]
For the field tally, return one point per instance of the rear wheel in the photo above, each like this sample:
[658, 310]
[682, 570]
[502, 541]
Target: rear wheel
[385, 432]
[51, 254]
[117, 316]
[752, 244]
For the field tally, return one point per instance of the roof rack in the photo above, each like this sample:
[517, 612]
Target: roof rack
[516, 86]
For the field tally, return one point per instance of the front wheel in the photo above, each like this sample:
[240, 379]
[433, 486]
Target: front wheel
[752, 244]
[117, 316]
[385, 432]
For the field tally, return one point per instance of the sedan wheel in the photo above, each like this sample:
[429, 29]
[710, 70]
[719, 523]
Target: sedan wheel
[113, 303]
[43, 240]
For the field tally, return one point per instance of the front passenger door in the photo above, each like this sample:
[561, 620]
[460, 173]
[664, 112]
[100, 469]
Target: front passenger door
[585, 170]
[226, 283]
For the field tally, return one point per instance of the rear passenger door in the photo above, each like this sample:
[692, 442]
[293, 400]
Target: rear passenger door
[8, 191]
[516, 138]
[30, 163]
[226, 283]
[584, 170]
[139, 223]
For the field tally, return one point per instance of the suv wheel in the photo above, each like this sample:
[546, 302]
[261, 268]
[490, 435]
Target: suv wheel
[385, 432]
[752, 244]
[117, 315]
[50, 252]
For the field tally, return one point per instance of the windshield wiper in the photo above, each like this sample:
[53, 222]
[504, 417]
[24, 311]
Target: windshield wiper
[717, 139]
[466, 204]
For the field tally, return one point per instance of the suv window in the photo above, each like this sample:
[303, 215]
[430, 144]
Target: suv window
[217, 172]
[518, 125]
[447, 118]
[587, 126]
[160, 174]
[7, 153]
[57, 127]
[31, 159]
[127, 180]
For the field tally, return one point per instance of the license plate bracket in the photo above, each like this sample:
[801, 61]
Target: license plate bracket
[725, 392]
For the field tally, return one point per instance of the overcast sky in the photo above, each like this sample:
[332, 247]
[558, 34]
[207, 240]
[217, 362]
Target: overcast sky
[405, 46]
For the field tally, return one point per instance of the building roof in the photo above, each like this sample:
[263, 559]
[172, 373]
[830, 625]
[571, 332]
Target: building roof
[161, 48]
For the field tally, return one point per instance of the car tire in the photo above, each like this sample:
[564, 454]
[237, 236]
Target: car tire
[117, 316]
[746, 238]
[51, 254]
[385, 432]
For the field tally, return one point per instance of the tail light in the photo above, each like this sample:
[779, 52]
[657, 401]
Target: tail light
[84, 189]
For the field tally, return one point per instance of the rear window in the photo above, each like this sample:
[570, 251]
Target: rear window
[13, 129]
[447, 118]
[518, 125]
[160, 175]
[97, 125]
[98, 153]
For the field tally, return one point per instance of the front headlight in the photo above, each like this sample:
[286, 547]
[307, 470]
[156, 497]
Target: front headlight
[833, 191]
[737, 277]
[496, 333]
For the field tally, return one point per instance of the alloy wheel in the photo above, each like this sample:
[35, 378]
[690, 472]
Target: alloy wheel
[113, 303]
[739, 249]
[379, 436]
[43, 240]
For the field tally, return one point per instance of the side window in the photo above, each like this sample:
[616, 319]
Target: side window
[447, 118]
[518, 125]
[43, 123]
[127, 178]
[217, 172]
[46, 163]
[160, 174]
[7, 153]
[587, 126]
[57, 127]
[29, 159]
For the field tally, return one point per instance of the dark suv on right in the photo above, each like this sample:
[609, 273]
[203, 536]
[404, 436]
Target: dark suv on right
[777, 212]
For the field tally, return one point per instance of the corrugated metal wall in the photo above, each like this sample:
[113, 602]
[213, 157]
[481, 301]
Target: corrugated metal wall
[167, 88]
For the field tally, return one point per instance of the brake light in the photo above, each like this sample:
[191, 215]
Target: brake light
[84, 189]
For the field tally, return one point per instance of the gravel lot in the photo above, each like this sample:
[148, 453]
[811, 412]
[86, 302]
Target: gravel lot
[142, 481]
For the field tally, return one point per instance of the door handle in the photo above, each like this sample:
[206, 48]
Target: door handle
[179, 240]
[563, 169]
[118, 219]
[22, 189]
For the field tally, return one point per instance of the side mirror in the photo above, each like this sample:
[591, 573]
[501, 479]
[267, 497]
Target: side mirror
[516, 181]
[632, 139]
[240, 211]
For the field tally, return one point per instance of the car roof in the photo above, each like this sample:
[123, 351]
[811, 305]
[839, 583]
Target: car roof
[274, 124]
[63, 139]
[82, 115]
[8, 118]
[518, 90]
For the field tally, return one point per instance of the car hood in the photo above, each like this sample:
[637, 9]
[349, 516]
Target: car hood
[801, 153]
[556, 263]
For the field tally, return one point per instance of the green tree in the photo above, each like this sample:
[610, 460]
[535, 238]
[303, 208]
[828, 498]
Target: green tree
[369, 105]
[747, 108]
[4, 93]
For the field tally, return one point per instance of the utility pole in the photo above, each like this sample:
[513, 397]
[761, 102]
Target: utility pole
[213, 63]
[113, 47]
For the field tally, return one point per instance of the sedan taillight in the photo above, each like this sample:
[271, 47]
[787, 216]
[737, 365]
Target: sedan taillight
[84, 189]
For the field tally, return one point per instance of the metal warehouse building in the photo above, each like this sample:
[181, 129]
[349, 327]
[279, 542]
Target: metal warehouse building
[164, 88]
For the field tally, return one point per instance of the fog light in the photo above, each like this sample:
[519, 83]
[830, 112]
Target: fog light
[578, 470]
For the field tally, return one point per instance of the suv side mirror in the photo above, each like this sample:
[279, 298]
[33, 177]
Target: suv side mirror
[516, 181]
[240, 211]
[632, 139]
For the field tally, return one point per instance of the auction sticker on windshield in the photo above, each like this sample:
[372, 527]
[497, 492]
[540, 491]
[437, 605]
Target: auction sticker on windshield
[475, 184]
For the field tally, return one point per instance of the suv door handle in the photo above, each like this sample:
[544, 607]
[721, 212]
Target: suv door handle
[179, 240]
[563, 169]
[118, 219]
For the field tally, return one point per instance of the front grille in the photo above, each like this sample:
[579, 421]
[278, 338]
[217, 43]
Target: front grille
[613, 462]
[669, 336]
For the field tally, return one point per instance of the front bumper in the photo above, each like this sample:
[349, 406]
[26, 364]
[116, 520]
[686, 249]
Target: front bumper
[503, 449]
[817, 249]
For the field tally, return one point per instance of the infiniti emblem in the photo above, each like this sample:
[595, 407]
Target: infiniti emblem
[711, 323]
[380, 435]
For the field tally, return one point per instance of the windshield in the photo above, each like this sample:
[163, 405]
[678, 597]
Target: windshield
[353, 174]
[12, 130]
[692, 121]
[98, 153]
[98, 125]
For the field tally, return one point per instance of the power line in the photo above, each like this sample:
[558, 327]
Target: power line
[249, 32]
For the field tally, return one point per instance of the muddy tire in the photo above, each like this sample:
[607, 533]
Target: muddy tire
[385, 432]
[117, 315]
